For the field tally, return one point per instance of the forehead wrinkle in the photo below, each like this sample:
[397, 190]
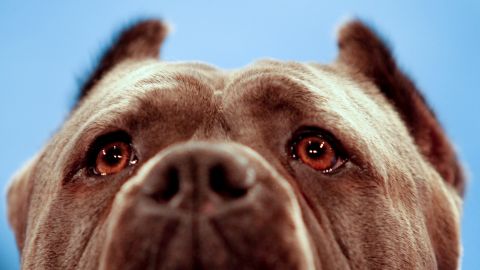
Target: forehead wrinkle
[140, 75]
[275, 89]
[104, 121]
[126, 89]
[139, 81]
[362, 121]
[122, 78]
[292, 70]
[184, 72]
[289, 93]
[104, 109]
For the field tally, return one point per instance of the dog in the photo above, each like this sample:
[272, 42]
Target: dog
[278, 165]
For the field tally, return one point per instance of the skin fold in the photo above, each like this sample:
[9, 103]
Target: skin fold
[394, 204]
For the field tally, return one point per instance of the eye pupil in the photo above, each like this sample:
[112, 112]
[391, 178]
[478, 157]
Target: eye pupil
[112, 155]
[315, 149]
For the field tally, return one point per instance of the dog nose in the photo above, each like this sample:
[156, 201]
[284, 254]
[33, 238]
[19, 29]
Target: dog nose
[201, 177]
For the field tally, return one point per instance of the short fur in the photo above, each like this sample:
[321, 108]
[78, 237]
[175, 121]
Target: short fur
[394, 205]
[362, 51]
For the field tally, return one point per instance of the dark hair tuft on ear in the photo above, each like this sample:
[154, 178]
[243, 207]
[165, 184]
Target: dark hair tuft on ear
[140, 40]
[363, 52]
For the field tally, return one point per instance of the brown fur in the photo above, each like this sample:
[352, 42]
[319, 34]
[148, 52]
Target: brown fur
[394, 205]
[364, 53]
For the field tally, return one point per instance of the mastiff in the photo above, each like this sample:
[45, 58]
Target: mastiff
[277, 165]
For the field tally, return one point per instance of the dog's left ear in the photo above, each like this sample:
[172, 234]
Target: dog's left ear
[362, 51]
[140, 41]
[18, 201]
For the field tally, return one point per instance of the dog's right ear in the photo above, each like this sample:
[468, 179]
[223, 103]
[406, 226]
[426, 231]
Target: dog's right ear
[18, 201]
[363, 52]
[142, 40]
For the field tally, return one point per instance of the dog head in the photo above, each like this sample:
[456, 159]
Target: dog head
[279, 165]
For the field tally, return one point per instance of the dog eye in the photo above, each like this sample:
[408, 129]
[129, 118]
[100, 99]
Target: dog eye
[111, 154]
[317, 150]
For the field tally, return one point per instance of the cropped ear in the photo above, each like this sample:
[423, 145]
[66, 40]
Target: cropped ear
[142, 40]
[18, 201]
[364, 52]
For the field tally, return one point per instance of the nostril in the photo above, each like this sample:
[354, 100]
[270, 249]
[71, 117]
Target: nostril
[224, 184]
[171, 187]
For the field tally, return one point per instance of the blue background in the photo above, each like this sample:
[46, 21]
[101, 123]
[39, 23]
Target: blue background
[45, 46]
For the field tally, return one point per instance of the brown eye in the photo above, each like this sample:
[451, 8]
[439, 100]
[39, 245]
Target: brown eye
[113, 158]
[318, 152]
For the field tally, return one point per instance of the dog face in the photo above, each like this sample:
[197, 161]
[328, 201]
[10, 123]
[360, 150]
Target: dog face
[279, 165]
